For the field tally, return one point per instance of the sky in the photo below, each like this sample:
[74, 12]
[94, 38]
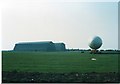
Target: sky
[71, 22]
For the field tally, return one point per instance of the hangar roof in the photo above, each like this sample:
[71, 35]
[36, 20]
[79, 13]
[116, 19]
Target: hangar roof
[41, 42]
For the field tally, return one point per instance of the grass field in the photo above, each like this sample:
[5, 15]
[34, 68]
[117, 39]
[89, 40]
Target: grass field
[58, 62]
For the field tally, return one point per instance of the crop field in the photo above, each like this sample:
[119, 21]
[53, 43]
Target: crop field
[59, 62]
[58, 67]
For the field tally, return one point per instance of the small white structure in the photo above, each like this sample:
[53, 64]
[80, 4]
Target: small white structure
[93, 59]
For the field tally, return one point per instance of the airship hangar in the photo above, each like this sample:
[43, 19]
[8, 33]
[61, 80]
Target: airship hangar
[39, 46]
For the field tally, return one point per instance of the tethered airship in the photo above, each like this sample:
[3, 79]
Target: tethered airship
[95, 44]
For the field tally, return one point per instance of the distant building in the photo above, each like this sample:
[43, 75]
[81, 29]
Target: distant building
[60, 46]
[40, 46]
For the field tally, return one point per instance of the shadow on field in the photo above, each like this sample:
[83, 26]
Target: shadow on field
[36, 77]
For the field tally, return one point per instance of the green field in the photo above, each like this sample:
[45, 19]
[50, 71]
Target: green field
[58, 62]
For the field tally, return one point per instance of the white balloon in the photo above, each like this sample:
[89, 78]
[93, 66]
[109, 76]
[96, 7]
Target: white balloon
[95, 43]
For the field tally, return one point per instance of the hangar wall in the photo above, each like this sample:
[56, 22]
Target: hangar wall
[39, 46]
[60, 46]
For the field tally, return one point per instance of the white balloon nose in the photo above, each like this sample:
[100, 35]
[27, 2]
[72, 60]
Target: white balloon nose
[95, 43]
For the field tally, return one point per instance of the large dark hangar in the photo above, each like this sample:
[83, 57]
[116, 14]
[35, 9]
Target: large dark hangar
[39, 46]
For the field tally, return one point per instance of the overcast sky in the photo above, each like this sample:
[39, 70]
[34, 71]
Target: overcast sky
[71, 22]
